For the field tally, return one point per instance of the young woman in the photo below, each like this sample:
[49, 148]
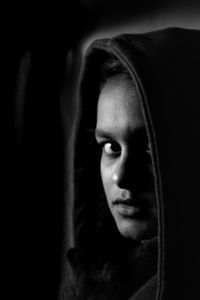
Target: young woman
[131, 167]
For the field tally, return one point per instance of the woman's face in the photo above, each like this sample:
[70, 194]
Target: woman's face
[126, 166]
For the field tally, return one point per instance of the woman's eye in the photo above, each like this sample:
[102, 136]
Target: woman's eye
[111, 149]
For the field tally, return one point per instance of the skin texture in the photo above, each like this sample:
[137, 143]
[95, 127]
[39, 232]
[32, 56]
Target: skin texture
[126, 166]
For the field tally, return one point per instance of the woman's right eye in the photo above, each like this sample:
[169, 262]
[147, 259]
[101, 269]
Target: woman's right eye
[111, 149]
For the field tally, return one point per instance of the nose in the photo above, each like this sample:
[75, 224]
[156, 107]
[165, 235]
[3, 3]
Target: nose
[121, 174]
[129, 173]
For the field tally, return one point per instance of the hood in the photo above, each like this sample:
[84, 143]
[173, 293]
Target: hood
[165, 68]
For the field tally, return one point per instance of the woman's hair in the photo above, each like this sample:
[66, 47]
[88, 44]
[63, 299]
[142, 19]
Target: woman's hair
[110, 67]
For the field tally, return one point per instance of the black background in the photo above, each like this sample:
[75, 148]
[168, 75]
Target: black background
[36, 71]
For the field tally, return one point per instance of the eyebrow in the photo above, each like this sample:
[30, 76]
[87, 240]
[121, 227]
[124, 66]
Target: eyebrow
[101, 133]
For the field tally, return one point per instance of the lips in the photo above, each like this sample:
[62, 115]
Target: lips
[126, 207]
[130, 207]
[127, 210]
[127, 201]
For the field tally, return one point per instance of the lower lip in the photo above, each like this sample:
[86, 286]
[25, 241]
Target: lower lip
[127, 210]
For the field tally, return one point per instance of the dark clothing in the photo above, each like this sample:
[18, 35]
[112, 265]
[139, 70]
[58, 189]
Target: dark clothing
[165, 68]
[147, 291]
[110, 276]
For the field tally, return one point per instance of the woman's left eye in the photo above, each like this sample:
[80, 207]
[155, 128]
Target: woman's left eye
[111, 149]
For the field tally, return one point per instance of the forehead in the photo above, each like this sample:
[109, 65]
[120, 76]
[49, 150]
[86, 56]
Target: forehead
[119, 105]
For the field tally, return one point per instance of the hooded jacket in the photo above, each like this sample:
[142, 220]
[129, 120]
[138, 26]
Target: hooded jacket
[165, 68]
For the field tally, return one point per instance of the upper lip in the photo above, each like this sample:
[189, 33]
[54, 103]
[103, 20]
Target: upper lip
[126, 201]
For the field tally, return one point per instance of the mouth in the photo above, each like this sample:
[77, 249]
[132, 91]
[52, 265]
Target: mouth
[127, 210]
[126, 207]
[129, 207]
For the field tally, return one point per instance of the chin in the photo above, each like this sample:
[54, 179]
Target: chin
[134, 229]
